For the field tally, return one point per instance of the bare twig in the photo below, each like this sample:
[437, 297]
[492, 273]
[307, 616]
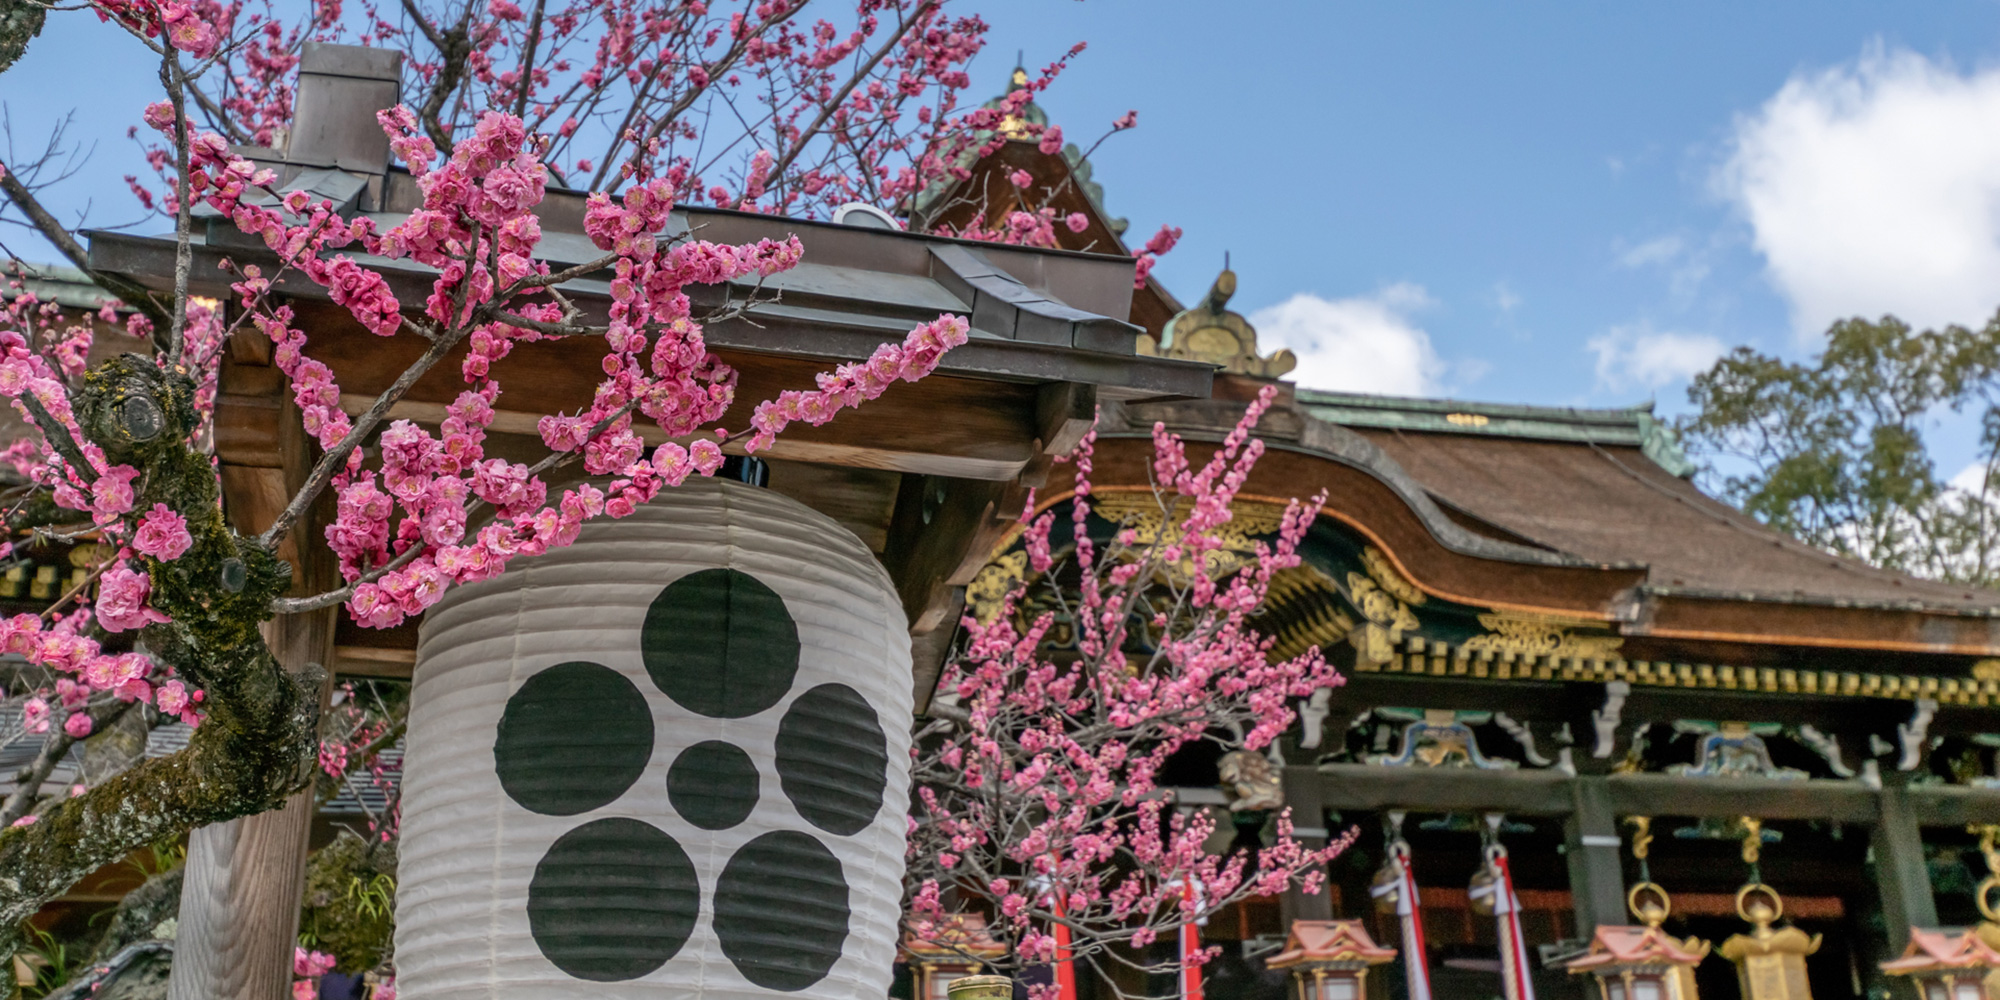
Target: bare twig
[28, 783]
[129, 292]
[172, 76]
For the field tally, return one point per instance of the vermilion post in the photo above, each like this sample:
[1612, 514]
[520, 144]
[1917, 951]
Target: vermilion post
[1065, 964]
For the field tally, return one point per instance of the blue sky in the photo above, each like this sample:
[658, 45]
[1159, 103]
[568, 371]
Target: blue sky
[1563, 203]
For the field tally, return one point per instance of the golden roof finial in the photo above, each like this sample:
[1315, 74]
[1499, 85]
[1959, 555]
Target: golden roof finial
[1210, 332]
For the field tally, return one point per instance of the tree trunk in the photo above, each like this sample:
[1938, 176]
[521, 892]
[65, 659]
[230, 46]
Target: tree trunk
[240, 904]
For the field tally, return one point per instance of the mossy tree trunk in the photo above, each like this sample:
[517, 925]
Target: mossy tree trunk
[258, 739]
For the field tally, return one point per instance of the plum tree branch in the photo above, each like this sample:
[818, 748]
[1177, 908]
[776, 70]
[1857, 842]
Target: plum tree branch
[129, 292]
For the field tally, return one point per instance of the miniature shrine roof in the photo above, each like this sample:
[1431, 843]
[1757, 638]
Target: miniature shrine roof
[1329, 941]
[1943, 949]
[1638, 946]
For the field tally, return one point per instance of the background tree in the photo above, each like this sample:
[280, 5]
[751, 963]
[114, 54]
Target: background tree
[1037, 781]
[747, 105]
[1833, 451]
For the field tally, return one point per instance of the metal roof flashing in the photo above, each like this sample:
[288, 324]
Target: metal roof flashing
[1631, 427]
[1038, 315]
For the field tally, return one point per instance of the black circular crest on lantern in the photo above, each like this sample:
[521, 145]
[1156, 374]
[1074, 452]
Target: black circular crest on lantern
[833, 759]
[781, 910]
[713, 785]
[613, 900]
[573, 738]
[720, 644]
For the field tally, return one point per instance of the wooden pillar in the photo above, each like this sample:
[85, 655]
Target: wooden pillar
[1900, 873]
[239, 916]
[240, 902]
[1591, 846]
[1302, 794]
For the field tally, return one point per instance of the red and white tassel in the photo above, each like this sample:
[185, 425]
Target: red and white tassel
[1514, 969]
[1416, 960]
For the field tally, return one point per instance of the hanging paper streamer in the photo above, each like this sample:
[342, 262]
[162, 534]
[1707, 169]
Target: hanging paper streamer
[1493, 890]
[1395, 890]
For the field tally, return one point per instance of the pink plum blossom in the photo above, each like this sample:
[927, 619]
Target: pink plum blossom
[121, 600]
[162, 534]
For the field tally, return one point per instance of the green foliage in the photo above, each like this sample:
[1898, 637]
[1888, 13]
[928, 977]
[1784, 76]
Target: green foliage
[165, 855]
[1832, 451]
[20, 22]
[350, 902]
[52, 961]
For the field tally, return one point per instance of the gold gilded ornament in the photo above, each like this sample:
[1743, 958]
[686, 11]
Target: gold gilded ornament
[1770, 963]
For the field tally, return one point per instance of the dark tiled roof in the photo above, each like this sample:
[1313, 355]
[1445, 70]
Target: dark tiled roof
[1610, 503]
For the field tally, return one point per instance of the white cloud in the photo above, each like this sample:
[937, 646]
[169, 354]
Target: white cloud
[1969, 479]
[1685, 265]
[1365, 343]
[1638, 355]
[1659, 250]
[1505, 298]
[1874, 188]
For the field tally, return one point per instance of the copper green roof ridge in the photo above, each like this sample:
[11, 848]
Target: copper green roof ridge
[1632, 427]
[58, 283]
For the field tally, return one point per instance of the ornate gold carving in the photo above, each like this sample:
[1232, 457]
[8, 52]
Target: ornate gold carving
[1140, 511]
[1541, 635]
[1209, 332]
[987, 591]
[1250, 782]
[1304, 609]
[1986, 670]
[1013, 126]
[1467, 419]
[1385, 574]
[1388, 619]
[1642, 835]
[1561, 663]
[1442, 738]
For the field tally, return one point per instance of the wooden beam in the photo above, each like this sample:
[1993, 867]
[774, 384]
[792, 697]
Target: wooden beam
[965, 428]
[1954, 806]
[1672, 795]
[928, 651]
[1366, 786]
[938, 540]
[374, 661]
[1549, 793]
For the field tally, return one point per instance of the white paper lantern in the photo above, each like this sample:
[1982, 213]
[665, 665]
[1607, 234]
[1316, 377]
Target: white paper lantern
[669, 760]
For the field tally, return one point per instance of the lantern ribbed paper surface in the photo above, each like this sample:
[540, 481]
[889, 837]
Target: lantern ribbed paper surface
[669, 760]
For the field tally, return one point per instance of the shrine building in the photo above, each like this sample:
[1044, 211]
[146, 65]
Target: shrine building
[1712, 758]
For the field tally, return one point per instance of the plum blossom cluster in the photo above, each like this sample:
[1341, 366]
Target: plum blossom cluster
[197, 28]
[87, 676]
[359, 727]
[1037, 784]
[860, 105]
[307, 967]
[44, 351]
[402, 531]
[850, 385]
